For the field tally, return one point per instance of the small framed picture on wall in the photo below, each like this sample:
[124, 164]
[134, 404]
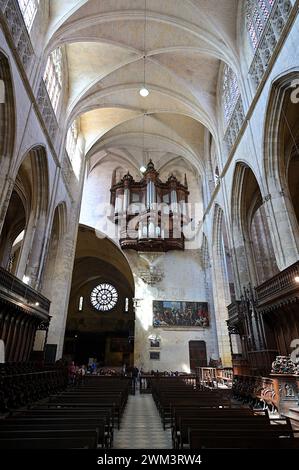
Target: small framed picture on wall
[155, 343]
[155, 356]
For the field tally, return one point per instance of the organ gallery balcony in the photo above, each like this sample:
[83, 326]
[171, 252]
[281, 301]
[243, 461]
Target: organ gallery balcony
[14, 291]
[23, 313]
[265, 322]
[150, 214]
[279, 290]
[234, 312]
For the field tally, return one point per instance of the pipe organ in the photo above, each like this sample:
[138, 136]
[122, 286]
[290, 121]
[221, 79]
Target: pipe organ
[150, 213]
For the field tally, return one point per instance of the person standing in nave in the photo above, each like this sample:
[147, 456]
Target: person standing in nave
[72, 373]
[135, 374]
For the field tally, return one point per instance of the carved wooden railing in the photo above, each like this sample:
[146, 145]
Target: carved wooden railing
[261, 361]
[270, 38]
[18, 290]
[234, 310]
[12, 14]
[257, 391]
[279, 286]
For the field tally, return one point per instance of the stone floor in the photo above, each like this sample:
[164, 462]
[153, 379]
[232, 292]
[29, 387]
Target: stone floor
[141, 426]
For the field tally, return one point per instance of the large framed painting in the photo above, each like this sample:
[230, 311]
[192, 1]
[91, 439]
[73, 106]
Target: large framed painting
[184, 314]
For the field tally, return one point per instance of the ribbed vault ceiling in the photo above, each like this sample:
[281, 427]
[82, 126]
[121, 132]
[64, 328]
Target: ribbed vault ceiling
[186, 40]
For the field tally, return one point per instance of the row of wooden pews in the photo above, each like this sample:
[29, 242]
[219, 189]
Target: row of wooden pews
[167, 391]
[205, 419]
[78, 417]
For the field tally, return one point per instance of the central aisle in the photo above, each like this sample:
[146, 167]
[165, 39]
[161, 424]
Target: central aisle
[141, 426]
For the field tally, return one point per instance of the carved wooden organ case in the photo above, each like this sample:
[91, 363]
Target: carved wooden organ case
[151, 214]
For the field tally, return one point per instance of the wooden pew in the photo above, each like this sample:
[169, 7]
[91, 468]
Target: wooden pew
[73, 404]
[38, 443]
[84, 411]
[227, 426]
[182, 415]
[60, 424]
[198, 441]
[57, 434]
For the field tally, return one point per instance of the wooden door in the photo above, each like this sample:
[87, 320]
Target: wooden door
[198, 354]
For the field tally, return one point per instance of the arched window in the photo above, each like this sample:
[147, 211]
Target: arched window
[230, 92]
[29, 9]
[53, 77]
[257, 14]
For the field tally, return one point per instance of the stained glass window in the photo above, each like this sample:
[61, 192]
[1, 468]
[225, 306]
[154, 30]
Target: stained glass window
[257, 14]
[53, 77]
[104, 297]
[29, 9]
[230, 92]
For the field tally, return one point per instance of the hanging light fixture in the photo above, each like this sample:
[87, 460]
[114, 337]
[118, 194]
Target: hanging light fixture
[144, 92]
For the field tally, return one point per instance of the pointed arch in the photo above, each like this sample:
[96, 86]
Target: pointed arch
[27, 206]
[283, 96]
[221, 282]
[251, 231]
[58, 230]
[222, 251]
[281, 164]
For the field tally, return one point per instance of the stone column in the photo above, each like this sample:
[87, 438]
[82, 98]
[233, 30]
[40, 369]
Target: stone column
[240, 261]
[32, 251]
[284, 228]
[7, 185]
[221, 293]
[221, 312]
[59, 290]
